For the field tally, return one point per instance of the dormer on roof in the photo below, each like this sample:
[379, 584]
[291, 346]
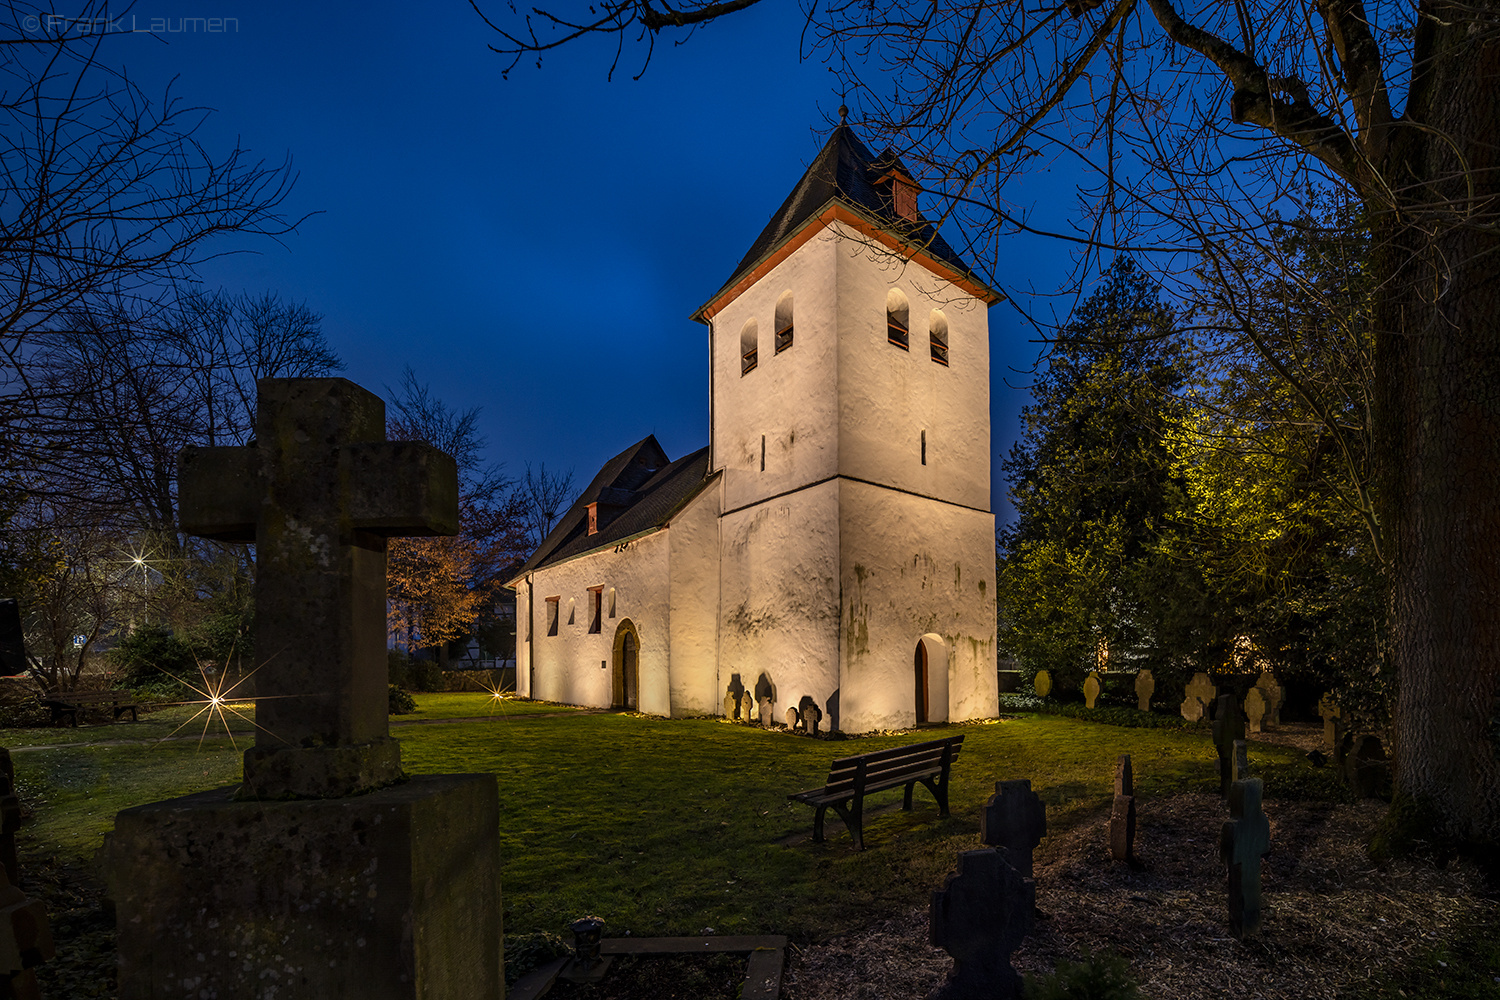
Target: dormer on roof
[877, 196]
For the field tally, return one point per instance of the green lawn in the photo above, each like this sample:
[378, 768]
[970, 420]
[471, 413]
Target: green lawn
[662, 826]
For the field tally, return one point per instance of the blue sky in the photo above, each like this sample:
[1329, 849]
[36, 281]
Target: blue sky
[531, 246]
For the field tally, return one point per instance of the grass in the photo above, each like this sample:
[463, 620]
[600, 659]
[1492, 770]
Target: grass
[463, 705]
[662, 826]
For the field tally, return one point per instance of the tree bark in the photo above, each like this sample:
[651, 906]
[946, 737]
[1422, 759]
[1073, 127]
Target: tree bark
[1438, 444]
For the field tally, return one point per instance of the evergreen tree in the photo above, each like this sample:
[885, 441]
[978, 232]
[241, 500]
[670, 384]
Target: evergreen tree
[1084, 581]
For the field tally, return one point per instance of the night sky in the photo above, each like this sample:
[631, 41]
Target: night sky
[531, 246]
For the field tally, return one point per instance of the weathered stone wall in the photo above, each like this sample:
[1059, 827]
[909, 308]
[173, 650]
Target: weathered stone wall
[779, 572]
[901, 582]
[693, 625]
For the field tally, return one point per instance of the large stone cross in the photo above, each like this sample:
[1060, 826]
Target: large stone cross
[1243, 840]
[319, 491]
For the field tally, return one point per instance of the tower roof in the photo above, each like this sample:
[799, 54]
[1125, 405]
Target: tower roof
[845, 175]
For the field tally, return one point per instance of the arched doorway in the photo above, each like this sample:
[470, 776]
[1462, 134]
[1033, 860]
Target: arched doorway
[930, 679]
[626, 675]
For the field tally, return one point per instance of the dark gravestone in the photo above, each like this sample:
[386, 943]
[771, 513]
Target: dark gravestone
[25, 942]
[1122, 815]
[325, 874]
[1014, 818]
[1243, 841]
[10, 817]
[1229, 726]
[1366, 767]
[12, 639]
[1241, 760]
[980, 917]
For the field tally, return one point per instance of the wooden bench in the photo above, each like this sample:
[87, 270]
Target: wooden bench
[74, 703]
[850, 779]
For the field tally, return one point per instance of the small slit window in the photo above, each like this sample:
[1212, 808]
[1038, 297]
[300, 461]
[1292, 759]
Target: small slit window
[596, 607]
[898, 319]
[784, 321]
[552, 615]
[611, 602]
[572, 611]
[748, 345]
[937, 326]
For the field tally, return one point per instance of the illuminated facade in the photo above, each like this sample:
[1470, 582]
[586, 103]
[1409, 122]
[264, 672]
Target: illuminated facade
[831, 552]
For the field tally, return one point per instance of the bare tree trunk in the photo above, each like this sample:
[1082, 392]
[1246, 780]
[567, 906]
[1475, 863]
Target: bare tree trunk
[1438, 385]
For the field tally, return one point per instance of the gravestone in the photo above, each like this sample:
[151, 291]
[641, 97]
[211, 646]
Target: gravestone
[1366, 767]
[765, 700]
[1332, 719]
[1199, 694]
[10, 817]
[1244, 839]
[767, 714]
[1255, 708]
[25, 942]
[1145, 687]
[1241, 769]
[1229, 726]
[809, 715]
[1090, 690]
[1271, 690]
[1016, 819]
[1122, 815]
[1043, 683]
[980, 916]
[327, 872]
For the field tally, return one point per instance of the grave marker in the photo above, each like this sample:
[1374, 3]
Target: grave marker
[1332, 719]
[1090, 690]
[1200, 693]
[1122, 815]
[1016, 819]
[1043, 683]
[1271, 690]
[1244, 839]
[1255, 708]
[980, 917]
[25, 942]
[326, 872]
[1145, 687]
[1241, 760]
[1228, 727]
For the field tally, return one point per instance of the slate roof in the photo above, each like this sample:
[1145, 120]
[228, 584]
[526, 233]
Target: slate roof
[637, 490]
[844, 171]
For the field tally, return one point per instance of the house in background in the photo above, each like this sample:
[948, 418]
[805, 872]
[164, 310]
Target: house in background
[830, 556]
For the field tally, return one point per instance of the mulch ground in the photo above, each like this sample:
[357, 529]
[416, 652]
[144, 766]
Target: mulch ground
[1335, 925]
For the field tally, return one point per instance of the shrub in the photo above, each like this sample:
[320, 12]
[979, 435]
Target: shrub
[425, 675]
[152, 657]
[1100, 976]
[1130, 718]
[525, 952]
[400, 701]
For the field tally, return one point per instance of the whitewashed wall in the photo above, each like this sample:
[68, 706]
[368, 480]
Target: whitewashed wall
[566, 667]
[694, 606]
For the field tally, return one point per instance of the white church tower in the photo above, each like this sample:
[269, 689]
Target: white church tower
[850, 427]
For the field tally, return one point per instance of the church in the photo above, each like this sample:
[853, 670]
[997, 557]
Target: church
[828, 560]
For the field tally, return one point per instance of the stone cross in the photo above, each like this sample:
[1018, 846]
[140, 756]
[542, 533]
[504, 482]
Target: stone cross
[1255, 708]
[1332, 719]
[1243, 841]
[1228, 727]
[1145, 687]
[980, 916]
[1271, 690]
[1014, 818]
[1366, 767]
[1122, 815]
[319, 491]
[1090, 690]
[1200, 693]
[1043, 683]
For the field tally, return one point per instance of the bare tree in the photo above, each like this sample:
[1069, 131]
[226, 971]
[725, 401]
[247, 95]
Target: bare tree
[1196, 125]
[544, 497]
[107, 201]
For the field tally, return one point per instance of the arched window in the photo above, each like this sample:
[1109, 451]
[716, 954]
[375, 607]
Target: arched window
[784, 321]
[937, 326]
[897, 319]
[747, 347]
